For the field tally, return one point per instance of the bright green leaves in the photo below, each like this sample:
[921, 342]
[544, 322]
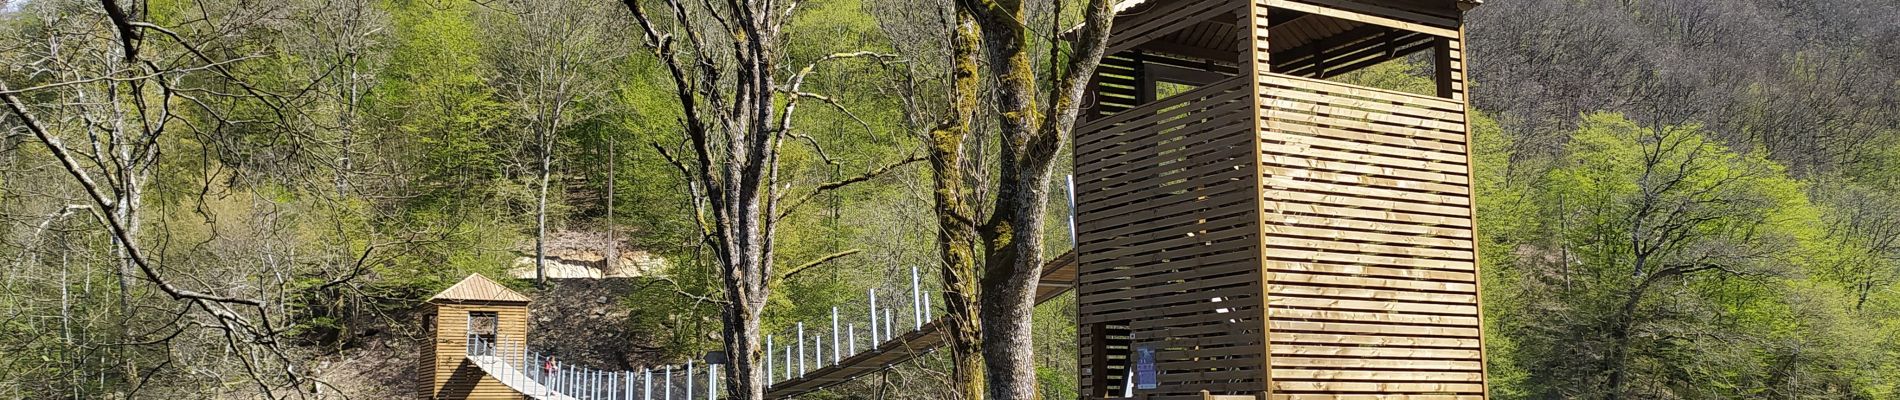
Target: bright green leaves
[1671, 197]
[1665, 254]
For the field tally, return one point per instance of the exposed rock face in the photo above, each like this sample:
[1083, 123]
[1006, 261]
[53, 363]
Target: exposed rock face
[584, 254]
[585, 322]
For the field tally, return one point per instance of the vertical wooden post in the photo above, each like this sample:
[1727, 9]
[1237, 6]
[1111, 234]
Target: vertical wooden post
[1441, 68]
[1461, 86]
[1260, 51]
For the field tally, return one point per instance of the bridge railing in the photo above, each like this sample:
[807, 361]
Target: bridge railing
[857, 326]
[542, 376]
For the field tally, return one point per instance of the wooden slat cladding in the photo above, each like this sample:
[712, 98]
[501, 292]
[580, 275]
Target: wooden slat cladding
[1119, 86]
[1274, 234]
[455, 377]
[1116, 86]
[1168, 234]
[1369, 255]
[1155, 20]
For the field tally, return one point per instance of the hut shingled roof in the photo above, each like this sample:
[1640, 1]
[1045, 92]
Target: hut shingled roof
[478, 288]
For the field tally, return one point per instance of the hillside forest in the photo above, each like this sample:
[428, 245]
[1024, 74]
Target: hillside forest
[1678, 199]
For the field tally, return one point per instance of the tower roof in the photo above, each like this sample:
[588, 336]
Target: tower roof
[478, 288]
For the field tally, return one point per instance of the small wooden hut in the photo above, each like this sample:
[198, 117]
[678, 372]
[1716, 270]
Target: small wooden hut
[474, 309]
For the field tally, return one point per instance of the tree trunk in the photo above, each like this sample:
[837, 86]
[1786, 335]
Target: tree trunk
[1620, 333]
[541, 212]
[956, 221]
[743, 346]
[1032, 133]
[613, 245]
[1013, 237]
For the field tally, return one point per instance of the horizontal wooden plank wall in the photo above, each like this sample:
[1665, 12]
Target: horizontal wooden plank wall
[1168, 240]
[1116, 85]
[1371, 270]
[1158, 19]
[454, 376]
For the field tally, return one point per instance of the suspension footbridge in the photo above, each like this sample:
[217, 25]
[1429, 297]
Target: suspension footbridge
[495, 360]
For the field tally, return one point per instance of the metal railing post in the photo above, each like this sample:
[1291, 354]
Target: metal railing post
[916, 298]
[801, 349]
[1073, 242]
[874, 341]
[834, 336]
[769, 373]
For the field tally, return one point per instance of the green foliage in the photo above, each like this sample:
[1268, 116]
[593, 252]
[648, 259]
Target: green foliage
[435, 93]
[1660, 252]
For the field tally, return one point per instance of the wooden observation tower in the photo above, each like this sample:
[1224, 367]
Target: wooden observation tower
[1247, 227]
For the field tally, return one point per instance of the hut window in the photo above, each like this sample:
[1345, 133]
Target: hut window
[483, 325]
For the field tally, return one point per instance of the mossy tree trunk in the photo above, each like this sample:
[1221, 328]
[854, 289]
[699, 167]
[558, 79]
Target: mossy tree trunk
[991, 301]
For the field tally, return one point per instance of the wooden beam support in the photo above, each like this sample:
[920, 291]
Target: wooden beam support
[1361, 17]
